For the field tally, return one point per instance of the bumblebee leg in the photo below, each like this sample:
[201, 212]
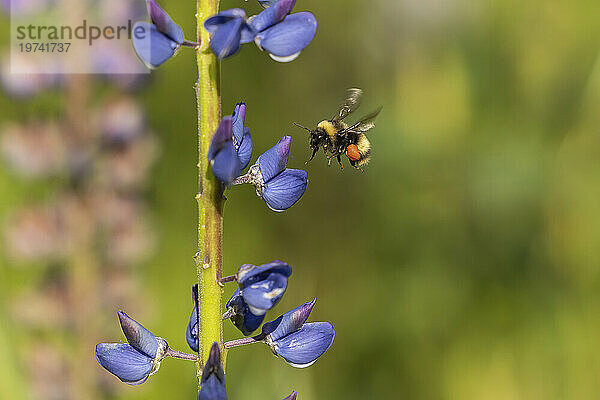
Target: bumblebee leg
[339, 160]
[312, 156]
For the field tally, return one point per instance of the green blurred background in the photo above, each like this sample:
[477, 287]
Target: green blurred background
[463, 264]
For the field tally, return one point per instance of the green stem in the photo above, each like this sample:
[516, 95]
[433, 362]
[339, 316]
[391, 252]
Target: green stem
[210, 193]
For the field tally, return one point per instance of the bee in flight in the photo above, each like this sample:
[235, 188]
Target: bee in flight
[337, 138]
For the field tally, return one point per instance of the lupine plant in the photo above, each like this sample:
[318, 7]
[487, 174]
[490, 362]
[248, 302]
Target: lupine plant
[225, 150]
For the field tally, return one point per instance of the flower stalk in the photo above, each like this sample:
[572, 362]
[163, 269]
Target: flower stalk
[210, 192]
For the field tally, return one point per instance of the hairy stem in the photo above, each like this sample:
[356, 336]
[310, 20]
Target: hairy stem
[210, 194]
[230, 278]
[242, 342]
[180, 355]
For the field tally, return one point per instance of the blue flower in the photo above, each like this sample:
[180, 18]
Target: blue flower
[191, 333]
[299, 343]
[278, 186]
[222, 154]
[242, 141]
[155, 43]
[263, 286]
[240, 314]
[132, 363]
[284, 36]
[213, 377]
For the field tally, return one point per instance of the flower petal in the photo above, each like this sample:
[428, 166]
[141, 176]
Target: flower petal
[125, 362]
[245, 149]
[243, 319]
[238, 118]
[226, 41]
[223, 134]
[212, 389]
[285, 189]
[213, 377]
[267, 3]
[272, 15]
[248, 274]
[226, 164]
[191, 334]
[213, 23]
[138, 337]
[303, 347]
[289, 322]
[163, 22]
[151, 46]
[291, 396]
[290, 36]
[263, 295]
[274, 160]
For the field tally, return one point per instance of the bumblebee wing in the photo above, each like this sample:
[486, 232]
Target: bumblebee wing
[350, 104]
[364, 124]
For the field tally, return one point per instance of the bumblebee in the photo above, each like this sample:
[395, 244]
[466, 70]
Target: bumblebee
[338, 138]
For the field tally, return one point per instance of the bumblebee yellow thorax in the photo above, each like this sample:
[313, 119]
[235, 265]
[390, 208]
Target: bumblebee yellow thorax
[328, 128]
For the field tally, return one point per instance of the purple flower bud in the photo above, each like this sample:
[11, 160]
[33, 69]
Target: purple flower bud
[263, 286]
[138, 337]
[213, 377]
[222, 155]
[191, 333]
[291, 396]
[241, 316]
[272, 15]
[285, 40]
[163, 22]
[125, 362]
[242, 140]
[152, 46]
[289, 322]
[132, 363]
[274, 160]
[302, 347]
[284, 190]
